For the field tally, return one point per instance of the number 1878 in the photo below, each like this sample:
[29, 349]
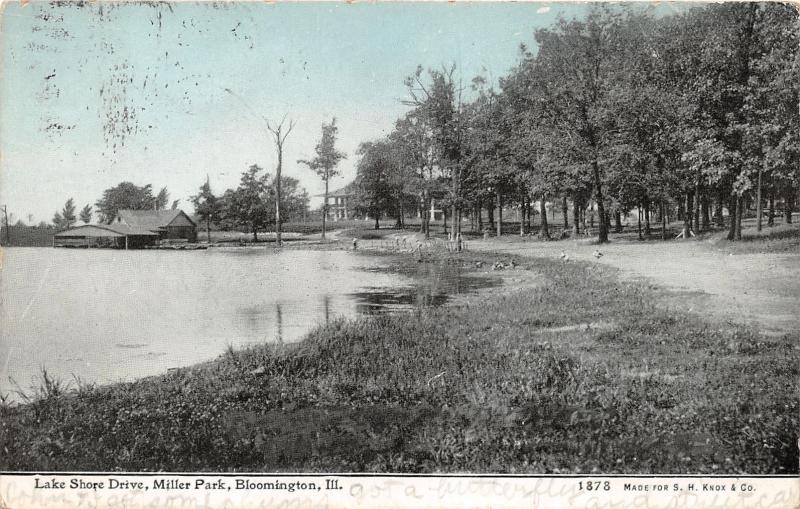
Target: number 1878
[594, 485]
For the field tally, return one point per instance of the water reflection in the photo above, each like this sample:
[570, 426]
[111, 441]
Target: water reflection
[108, 315]
[279, 322]
[433, 284]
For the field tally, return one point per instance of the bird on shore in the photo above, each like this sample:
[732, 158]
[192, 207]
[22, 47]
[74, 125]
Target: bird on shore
[597, 254]
[564, 257]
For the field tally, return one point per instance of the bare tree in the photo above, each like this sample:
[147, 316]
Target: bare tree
[279, 133]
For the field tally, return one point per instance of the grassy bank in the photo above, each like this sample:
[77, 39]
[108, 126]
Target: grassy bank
[784, 238]
[513, 383]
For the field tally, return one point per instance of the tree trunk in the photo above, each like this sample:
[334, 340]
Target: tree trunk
[789, 203]
[718, 218]
[425, 227]
[454, 220]
[732, 217]
[444, 219]
[601, 211]
[278, 197]
[705, 205]
[617, 222]
[639, 221]
[583, 216]
[499, 214]
[528, 213]
[646, 211]
[696, 207]
[576, 216]
[377, 223]
[479, 213]
[208, 229]
[565, 211]
[522, 214]
[739, 213]
[490, 214]
[545, 232]
[325, 209]
[398, 222]
[759, 202]
[427, 215]
[663, 221]
[771, 213]
[687, 216]
[255, 233]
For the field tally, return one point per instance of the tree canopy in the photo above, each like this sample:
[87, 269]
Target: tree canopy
[616, 111]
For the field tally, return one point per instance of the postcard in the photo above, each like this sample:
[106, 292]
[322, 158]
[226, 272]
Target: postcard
[399, 254]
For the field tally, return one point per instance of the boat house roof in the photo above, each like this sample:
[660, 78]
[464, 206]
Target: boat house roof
[150, 219]
[105, 230]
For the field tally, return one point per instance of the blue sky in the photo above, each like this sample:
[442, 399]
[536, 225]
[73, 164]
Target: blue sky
[92, 96]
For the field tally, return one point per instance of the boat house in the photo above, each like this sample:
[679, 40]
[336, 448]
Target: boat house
[131, 229]
[117, 236]
[168, 224]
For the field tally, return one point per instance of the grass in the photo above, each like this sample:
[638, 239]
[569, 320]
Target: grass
[304, 228]
[774, 239]
[488, 385]
[373, 234]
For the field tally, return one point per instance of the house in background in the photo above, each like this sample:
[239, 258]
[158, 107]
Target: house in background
[341, 203]
[168, 224]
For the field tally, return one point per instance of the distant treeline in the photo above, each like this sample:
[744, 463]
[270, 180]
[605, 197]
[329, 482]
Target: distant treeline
[27, 236]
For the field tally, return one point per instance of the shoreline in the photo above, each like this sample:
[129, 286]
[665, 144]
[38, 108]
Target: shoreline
[580, 373]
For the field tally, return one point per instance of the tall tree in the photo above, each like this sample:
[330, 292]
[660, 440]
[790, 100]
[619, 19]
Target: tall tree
[415, 153]
[247, 204]
[68, 213]
[58, 221]
[279, 133]
[374, 184]
[207, 206]
[86, 214]
[774, 103]
[125, 195]
[488, 155]
[438, 99]
[574, 72]
[325, 161]
[162, 198]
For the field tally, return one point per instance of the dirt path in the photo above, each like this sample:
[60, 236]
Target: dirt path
[763, 289]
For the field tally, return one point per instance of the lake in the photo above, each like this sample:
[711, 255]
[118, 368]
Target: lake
[111, 315]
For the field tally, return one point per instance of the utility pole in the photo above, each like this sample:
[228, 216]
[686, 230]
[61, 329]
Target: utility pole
[5, 222]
